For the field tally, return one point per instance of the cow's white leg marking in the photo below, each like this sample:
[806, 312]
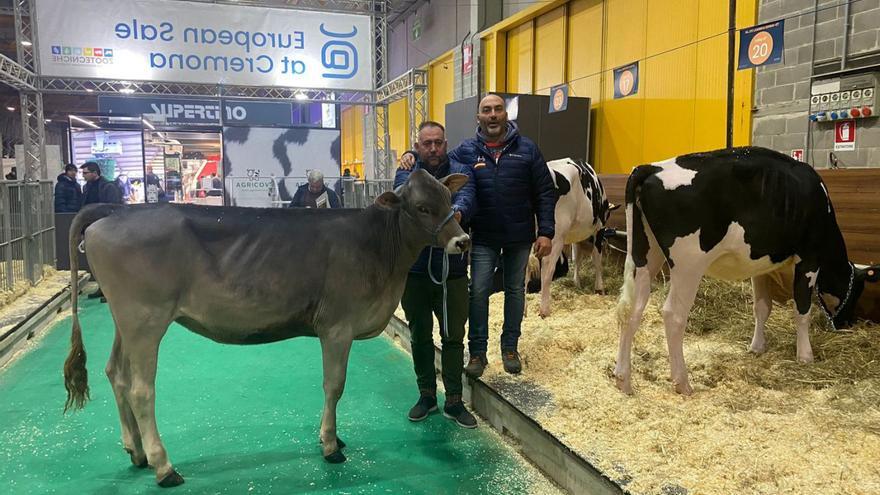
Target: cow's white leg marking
[684, 282]
[119, 374]
[762, 305]
[597, 266]
[334, 351]
[802, 324]
[548, 266]
[643, 277]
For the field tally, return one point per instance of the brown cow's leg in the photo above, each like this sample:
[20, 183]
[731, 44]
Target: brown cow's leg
[120, 379]
[335, 352]
[141, 348]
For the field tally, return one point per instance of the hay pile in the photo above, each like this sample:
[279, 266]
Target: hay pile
[755, 424]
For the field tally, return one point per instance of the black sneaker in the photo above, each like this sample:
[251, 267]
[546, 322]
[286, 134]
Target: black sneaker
[425, 406]
[476, 365]
[511, 362]
[456, 411]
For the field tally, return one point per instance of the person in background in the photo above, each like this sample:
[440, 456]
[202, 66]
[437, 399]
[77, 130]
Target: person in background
[68, 195]
[339, 187]
[308, 195]
[98, 189]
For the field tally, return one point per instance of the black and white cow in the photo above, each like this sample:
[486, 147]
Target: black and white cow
[581, 213]
[731, 214]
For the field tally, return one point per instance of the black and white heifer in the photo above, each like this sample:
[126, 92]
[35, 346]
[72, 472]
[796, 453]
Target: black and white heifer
[581, 213]
[731, 214]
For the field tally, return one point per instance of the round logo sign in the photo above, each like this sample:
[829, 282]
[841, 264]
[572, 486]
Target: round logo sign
[760, 48]
[625, 84]
[558, 99]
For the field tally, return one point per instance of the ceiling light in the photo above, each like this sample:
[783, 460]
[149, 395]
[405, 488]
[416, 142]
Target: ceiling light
[84, 121]
[300, 96]
[26, 43]
[48, 120]
[127, 91]
[90, 90]
[11, 109]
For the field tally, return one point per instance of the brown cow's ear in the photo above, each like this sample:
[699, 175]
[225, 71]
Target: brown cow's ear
[872, 273]
[454, 182]
[388, 200]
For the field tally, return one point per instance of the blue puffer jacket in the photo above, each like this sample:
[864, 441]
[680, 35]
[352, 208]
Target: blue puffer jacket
[68, 196]
[462, 201]
[511, 190]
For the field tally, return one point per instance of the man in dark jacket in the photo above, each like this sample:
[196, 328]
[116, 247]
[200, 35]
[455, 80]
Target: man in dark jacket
[513, 187]
[422, 298]
[308, 194]
[98, 189]
[68, 195]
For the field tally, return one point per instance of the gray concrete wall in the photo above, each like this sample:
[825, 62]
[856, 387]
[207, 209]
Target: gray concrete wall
[444, 25]
[782, 91]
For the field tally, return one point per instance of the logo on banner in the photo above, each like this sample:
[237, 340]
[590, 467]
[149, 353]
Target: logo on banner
[626, 80]
[761, 45]
[467, 59]
[845, 135]
[340, 57]
[80, 55]
[558, 98]
[798, 154]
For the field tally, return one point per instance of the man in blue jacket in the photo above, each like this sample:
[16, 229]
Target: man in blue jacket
[68, 195]
[422, 298]
[513, 188]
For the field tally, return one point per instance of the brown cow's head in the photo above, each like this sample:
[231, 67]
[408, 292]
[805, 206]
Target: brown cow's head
[427, 203]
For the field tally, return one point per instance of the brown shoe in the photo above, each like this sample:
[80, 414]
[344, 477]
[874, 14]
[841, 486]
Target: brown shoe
[511, 361]
[476, 365]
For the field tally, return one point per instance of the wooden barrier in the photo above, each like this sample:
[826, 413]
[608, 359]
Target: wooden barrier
[855, 194]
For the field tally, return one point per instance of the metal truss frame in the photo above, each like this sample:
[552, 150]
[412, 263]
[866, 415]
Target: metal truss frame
[412, 85]
[33, 126]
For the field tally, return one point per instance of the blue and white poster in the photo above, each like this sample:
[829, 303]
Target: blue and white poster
[761, 45]
[626, 80]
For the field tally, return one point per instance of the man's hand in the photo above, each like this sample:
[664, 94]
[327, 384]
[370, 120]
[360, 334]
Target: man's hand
[407, 161]
[542, 247]
[457, 216]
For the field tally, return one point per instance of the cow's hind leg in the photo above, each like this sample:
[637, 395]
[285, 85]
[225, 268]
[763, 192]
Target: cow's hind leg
[762, 306]
[141, 335]
[120, 379]
[548, 266]
[684, 282]
[335, 352]
[805, 275]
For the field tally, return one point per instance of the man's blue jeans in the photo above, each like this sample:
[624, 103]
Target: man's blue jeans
[483, 262]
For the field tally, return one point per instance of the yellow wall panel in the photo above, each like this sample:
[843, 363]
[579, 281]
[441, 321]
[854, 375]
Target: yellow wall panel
[584, 51]
[671, 24]
[352, 130]
[625, 31]
[669, 87]
[549, 46]
[713, 19]
[520, 51]
[710, 112]
[398, 126]
[440, 88]
[620, 130]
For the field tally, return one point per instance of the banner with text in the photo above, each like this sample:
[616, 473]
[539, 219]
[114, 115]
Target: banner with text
[162, 40]
[200, 111]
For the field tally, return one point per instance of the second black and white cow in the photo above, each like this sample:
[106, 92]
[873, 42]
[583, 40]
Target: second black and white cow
[581, 213]
[731, 214]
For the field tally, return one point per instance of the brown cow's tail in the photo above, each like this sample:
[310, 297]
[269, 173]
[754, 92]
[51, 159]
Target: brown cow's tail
[76, 379]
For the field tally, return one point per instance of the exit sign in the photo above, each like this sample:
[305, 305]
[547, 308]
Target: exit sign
[417, 29]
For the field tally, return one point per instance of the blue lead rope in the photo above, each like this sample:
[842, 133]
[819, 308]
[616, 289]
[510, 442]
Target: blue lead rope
[444, 271]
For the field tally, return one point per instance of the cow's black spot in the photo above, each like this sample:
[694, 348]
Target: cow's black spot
[236, 134]
[563, 187]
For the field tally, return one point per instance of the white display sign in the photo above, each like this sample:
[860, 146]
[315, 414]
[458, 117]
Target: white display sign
[252, 192]
[177, 41]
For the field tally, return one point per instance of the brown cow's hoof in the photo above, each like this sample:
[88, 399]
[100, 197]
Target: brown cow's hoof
[137, 461]
[171, 479]
[335, 458]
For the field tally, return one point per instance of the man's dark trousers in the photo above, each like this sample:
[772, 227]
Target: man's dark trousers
[422, 299]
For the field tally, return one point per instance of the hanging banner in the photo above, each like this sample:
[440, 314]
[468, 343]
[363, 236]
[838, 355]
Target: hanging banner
[558, 98]
[200, 111]
[199, 42]
[626, 80]
[467, 59]
[761, 45]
